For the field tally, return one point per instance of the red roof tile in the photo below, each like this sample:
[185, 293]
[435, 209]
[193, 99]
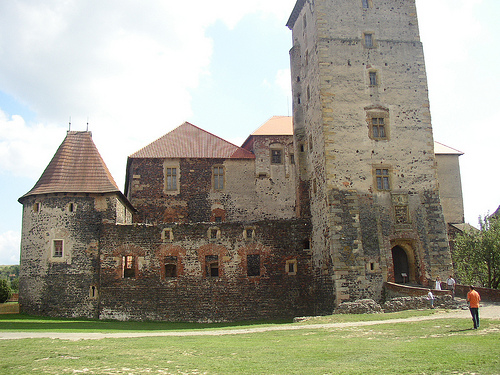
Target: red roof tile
[77, 167]
[189, 141]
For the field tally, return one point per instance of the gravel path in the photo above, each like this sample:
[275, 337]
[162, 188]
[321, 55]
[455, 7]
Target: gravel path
[486, 311]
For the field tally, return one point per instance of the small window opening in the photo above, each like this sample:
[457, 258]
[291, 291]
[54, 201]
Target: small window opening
[253, 265]
[170, 266]
[291, 267]
[71, 207]
[372, 266]
[365, 3]
[58, 249]
[128, 266]
[276, 157]
[93, 291]
[369, 40]
[301, 147]
[213, 234]
[36, 207]
[307, 244]
[292, 159]
[298, 98]
[373, 78]
[212, 264]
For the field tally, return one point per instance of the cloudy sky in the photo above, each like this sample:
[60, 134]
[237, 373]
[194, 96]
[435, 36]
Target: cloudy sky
[134, 70]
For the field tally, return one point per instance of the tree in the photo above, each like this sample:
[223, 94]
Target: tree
[477, 254]
[5, 291]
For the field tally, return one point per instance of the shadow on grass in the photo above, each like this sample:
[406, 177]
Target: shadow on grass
[30, 323]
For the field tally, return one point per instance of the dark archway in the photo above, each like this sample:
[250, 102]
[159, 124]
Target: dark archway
[401, 266]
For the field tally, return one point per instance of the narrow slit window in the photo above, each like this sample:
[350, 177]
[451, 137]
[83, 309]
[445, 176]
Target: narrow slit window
[368, 40]
[365, 3]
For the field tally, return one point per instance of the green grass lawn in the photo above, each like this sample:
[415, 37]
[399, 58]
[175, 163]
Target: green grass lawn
[443, 346]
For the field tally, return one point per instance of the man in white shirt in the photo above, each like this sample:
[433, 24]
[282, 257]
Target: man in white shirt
[450, 283]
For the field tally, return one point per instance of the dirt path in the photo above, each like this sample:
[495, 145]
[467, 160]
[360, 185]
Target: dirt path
[487, 311]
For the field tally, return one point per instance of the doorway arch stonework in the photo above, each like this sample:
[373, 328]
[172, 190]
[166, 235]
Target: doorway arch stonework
[403, 262]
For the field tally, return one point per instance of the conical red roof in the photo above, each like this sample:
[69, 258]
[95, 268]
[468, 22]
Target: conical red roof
[189, 141]
[77, 167]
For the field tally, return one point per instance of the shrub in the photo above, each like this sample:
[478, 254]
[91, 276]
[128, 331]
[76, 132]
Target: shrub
[5, 291]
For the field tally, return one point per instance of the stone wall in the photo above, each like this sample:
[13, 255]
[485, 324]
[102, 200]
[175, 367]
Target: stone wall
[195, 295]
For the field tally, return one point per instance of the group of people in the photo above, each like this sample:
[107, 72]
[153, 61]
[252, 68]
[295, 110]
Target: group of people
[473, 298]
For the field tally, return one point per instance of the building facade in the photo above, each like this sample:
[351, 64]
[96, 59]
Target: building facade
[303, 216]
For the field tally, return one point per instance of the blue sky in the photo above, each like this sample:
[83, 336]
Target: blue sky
[135, 70]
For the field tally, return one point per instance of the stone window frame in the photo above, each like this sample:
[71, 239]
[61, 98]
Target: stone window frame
[373, 78]
[37, 206]
[218, 178]
[378, 113]
[366, 4]
[250, 230]
[57, 251]
[93, 292]
[71, 207]
[172, 165]
[291, 267]
[170, 237]
[211, 231]
[382, 177]
[129, 266]
[369, 39]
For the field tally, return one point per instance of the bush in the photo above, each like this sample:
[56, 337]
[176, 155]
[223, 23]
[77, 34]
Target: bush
[5, 291]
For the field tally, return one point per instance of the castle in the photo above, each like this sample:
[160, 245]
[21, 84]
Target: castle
[304, 215]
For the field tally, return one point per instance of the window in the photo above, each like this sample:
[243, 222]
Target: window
[253, 265]
[276, 157]
[171, 179]
[378, 128]
[382, 178]
[291, 267]
[170, 266]
[368, 40]
[71, 207]
[213, 233]
[167, 235]
[306, 244]
[304, 19]
[373, 78]
[298, 98]
[365, 3]
[36, 207]
[93, 292]
[249, 234]
[212, 265]
[57, 248]
[128, 266]
[292, 159]
[218, 176]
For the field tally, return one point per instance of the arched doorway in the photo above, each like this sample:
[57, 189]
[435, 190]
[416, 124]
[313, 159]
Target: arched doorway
[401, 265]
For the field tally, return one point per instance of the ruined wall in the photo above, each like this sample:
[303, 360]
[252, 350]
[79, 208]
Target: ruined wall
[193, 294]
[246, 196]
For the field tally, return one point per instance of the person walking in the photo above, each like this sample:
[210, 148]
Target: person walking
[450, 282]
[473, 299]
[430, 297]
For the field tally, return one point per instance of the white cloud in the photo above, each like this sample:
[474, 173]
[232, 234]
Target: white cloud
[9, 248]
[283, 81]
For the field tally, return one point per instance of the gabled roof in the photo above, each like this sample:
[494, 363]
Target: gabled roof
[442, 149]
[189, 141]
[77, 167]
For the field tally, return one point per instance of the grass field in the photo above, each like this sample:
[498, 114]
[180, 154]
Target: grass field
[443, 346]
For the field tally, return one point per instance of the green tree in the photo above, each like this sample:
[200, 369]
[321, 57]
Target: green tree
[477, 254]
[5, 291]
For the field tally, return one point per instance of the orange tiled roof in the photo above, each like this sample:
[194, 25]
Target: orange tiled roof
[276, 125]
[189, 141]
[77, 167]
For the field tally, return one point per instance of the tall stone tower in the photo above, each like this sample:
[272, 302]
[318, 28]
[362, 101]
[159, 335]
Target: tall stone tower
[366, 166]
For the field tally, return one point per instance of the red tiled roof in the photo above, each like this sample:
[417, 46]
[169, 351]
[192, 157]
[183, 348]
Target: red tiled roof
[276, 125]
[77, 167]
[189, 141]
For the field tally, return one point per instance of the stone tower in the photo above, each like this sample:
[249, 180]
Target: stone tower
[364, 146]
[62, 217]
